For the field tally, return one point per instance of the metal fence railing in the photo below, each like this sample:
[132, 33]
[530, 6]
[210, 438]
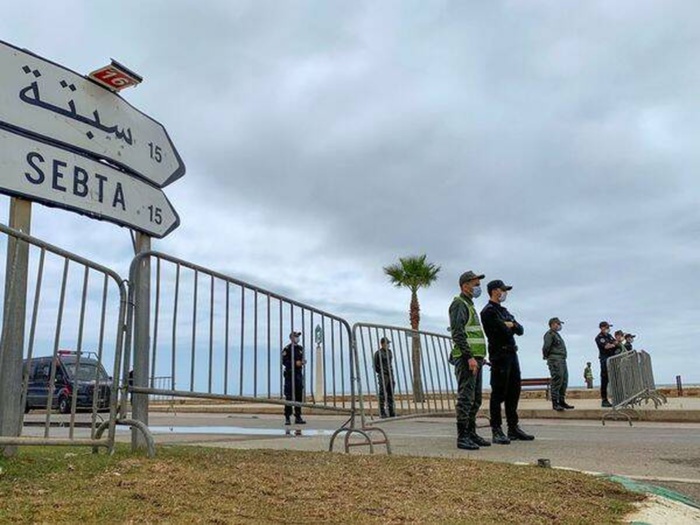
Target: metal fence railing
[631, 382]
[70, 361]
[419, 380]
[219, 338]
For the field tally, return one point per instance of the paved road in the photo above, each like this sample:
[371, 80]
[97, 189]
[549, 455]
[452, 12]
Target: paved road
[664, 452]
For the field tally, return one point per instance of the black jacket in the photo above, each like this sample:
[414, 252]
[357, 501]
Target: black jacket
[501, 338]
[287, 359]
[604, 339]
[382, 362]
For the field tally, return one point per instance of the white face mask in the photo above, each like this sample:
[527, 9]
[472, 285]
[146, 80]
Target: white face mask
[476, 291]
[504, 295]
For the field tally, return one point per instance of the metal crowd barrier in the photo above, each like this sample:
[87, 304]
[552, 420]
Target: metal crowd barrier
[631, 382]
[71, 303]
[423, 382]
[220, 338]
[647, 372]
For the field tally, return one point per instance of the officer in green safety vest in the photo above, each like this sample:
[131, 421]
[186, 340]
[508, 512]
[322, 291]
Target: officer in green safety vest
[467, 356]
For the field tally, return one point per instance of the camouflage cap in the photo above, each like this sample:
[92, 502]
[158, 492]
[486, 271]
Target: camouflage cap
[469, 276]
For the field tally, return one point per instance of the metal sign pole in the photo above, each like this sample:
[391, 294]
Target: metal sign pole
[142, 315]
[12, 343]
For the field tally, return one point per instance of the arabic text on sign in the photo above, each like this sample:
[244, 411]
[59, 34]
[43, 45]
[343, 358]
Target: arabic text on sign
[31, 95]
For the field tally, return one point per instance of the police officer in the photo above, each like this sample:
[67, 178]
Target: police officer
[467, 356]
[606, 348]
[500, 327]
[384, 369]
[554, 351]
[293, 362]
[629, 342]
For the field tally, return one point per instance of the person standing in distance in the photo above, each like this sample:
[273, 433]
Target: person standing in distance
[501, 328]
[467, 356]
[606, 348]
[629, 342]
[384, 369]
[293, 362]
[588, 376]
[554, 351]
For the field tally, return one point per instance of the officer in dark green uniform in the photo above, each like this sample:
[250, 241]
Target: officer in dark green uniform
[467, 356]
[554, 351]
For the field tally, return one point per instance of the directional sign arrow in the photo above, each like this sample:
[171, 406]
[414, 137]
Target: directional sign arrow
[41, 172]
[55, 103]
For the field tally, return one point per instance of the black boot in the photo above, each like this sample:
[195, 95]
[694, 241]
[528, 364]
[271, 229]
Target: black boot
[566, 405]
[606, 404]
[299, 421]
[287, 421]
[463, 440]
[476, 438]
[499, 438]
[382, 415]
[518, 434]
[556, 405]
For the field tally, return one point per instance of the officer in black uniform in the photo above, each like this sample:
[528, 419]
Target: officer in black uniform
[629, 342]
[384, 368]
[606, 348]
[500, 328]
[293, 362]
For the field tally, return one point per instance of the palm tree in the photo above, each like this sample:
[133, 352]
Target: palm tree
[413, 273]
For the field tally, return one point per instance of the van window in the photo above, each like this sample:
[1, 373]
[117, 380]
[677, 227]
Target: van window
[41, 371]
[87, 371]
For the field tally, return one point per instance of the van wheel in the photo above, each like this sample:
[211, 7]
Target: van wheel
[64, 405]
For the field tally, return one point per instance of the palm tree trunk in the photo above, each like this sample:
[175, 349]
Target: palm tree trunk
[418, 395]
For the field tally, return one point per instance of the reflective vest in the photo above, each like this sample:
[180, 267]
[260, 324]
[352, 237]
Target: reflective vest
[475, 335]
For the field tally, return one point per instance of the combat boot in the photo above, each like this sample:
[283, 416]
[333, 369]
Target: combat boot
[566, 405]
[556, 405]
[499, 438]
[298, 420]
[518, 434]
[463, 440]
[476, 438]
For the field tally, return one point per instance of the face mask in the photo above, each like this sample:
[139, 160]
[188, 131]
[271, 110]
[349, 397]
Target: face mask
[557, 328]
[476, 291]
[504, 295]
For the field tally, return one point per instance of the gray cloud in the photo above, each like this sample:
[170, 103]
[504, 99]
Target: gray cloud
[548, 144]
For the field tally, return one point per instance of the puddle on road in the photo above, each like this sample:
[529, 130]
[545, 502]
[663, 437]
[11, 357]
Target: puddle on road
[240, 431]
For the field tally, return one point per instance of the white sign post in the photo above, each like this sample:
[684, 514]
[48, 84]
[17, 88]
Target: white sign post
[319, 387]
[56, 177]
[55, 103]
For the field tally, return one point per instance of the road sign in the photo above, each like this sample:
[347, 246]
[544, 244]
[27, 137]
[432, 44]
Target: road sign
[55, 103]
[41, 172]
[115, 76]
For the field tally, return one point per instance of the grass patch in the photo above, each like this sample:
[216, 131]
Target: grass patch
[213, 485]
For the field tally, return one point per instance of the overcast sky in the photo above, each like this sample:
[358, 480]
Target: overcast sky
[549, 144]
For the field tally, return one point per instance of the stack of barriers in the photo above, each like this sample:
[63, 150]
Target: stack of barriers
[631, 383]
